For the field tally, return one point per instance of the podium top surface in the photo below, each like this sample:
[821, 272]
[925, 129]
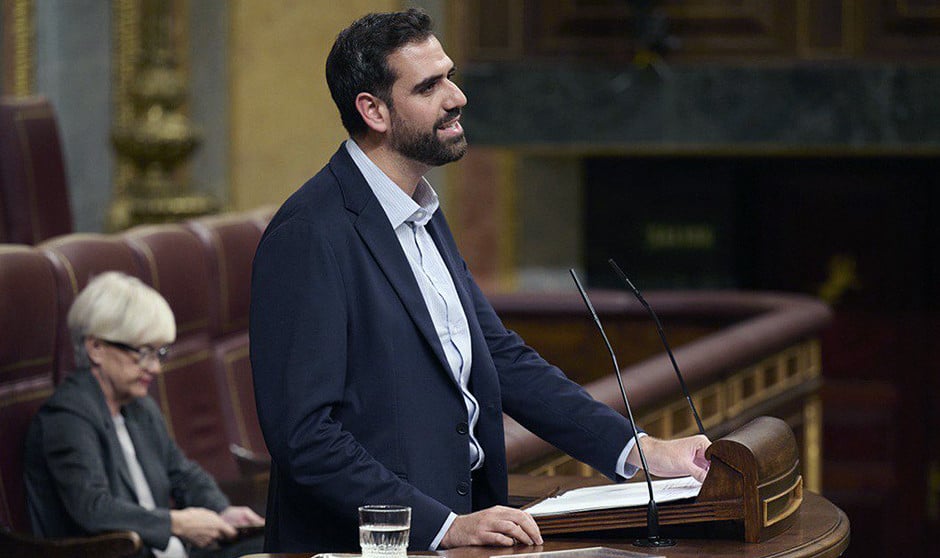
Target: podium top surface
[819, 530]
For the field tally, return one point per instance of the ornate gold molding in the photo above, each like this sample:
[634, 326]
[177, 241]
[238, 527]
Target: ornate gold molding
[738, 394]
[23, 34]
[125, 15]
[812, 443]
[151, 130]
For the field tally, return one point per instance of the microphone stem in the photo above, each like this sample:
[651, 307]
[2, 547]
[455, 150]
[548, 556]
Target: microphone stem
[662, 337]
[652, 512]
[652, 520]
[675, 366]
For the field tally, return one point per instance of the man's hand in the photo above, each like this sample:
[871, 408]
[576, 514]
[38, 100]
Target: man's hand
[200, 526]
[496, 526]
[673, 458]
[241, 516]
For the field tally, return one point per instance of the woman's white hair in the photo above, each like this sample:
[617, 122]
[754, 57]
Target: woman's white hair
[121, 308]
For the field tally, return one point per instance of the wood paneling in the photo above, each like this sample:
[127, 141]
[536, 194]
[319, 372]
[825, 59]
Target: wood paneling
[704, 27]
[720, 30]
[908, 28]
[862, 232]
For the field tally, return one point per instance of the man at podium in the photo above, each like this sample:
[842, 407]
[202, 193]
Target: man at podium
[381, 371]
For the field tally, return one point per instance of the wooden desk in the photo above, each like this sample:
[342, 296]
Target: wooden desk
[820, 530]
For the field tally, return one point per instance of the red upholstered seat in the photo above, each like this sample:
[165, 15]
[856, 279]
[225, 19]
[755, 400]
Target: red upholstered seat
[34, 198]
[174, 263]
[76, 258]
[229, 243]
[27, 353]
[28, 318]
[171, 260]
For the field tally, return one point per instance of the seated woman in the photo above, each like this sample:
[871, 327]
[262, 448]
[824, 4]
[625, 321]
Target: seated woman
[98, 454]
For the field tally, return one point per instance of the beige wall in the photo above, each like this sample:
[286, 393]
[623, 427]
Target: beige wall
[284, 123]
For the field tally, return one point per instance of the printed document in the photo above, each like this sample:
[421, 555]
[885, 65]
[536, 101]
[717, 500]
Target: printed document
[621, 495]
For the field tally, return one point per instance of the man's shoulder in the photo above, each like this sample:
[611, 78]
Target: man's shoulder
[327, 203]
[320, 198]
[314, 209]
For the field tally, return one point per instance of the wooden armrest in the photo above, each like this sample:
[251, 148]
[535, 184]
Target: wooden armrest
[251, 488]
[250, 463]
[108, 545]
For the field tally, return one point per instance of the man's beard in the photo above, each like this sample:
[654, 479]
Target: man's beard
[425, 147]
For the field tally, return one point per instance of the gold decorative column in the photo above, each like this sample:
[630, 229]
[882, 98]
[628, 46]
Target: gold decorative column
[16, 53]
[154, 134]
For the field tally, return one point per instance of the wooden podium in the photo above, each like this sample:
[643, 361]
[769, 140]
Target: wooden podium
[754, 485]
[754, 481]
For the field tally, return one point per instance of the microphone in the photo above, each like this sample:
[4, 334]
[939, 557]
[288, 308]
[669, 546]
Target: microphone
[652, 512]
[662, 336]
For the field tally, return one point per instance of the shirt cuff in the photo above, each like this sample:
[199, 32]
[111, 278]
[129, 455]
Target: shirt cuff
[624, 469]
[440, 534]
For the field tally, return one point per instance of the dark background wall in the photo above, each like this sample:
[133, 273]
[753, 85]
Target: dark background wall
[774, 144]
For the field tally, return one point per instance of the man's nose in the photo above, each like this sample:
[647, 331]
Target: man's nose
[457, 97]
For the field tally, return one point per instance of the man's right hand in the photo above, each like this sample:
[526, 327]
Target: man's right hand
[200, 526]
[496, 526]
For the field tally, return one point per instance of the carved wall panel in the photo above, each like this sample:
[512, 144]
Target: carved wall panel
[895, 28]
[611, 28]
[700, 30]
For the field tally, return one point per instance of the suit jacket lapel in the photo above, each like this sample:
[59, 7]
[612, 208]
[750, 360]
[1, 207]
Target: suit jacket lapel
[114, 446]
[376, 232]
[123, 471]
[147, 455]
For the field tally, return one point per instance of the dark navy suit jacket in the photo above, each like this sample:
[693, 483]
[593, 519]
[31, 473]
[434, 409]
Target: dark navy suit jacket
[354, 394]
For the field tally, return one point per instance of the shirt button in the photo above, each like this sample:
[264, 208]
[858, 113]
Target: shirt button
[462, 428]
[463, 488]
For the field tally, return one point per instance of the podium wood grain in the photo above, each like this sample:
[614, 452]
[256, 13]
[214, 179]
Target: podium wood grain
[819, 530]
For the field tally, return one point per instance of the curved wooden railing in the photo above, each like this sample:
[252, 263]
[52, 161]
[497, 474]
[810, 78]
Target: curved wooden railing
[743, 354]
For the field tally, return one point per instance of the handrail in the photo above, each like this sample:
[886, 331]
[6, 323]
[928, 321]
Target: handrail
[756, 324]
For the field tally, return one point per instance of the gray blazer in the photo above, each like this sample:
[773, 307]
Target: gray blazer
[77, 482]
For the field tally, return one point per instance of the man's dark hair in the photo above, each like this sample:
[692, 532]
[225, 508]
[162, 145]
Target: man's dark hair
[358, 61]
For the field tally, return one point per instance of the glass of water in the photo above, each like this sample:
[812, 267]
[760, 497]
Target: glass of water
[383, 531]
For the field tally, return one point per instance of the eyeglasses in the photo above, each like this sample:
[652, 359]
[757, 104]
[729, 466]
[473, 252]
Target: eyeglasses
[146, 355]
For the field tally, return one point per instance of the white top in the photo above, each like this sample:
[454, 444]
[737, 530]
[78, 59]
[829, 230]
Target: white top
[175, 547]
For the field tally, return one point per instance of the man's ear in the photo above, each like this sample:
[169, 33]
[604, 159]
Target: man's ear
[374, 112]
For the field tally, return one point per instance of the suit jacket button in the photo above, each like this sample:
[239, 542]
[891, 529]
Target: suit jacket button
[462, 428]
[463, 488]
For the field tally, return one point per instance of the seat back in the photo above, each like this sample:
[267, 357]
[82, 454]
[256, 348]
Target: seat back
[27, 354]
[33, 190]
[174, 263]
[229, 243]
[76, 258]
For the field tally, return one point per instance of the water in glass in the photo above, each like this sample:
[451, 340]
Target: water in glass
[383, 531]
[383, 541]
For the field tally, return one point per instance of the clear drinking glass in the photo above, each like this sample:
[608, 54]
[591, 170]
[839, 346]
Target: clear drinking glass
[384, 530]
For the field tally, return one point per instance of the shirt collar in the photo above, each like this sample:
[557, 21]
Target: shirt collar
[399, 208]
